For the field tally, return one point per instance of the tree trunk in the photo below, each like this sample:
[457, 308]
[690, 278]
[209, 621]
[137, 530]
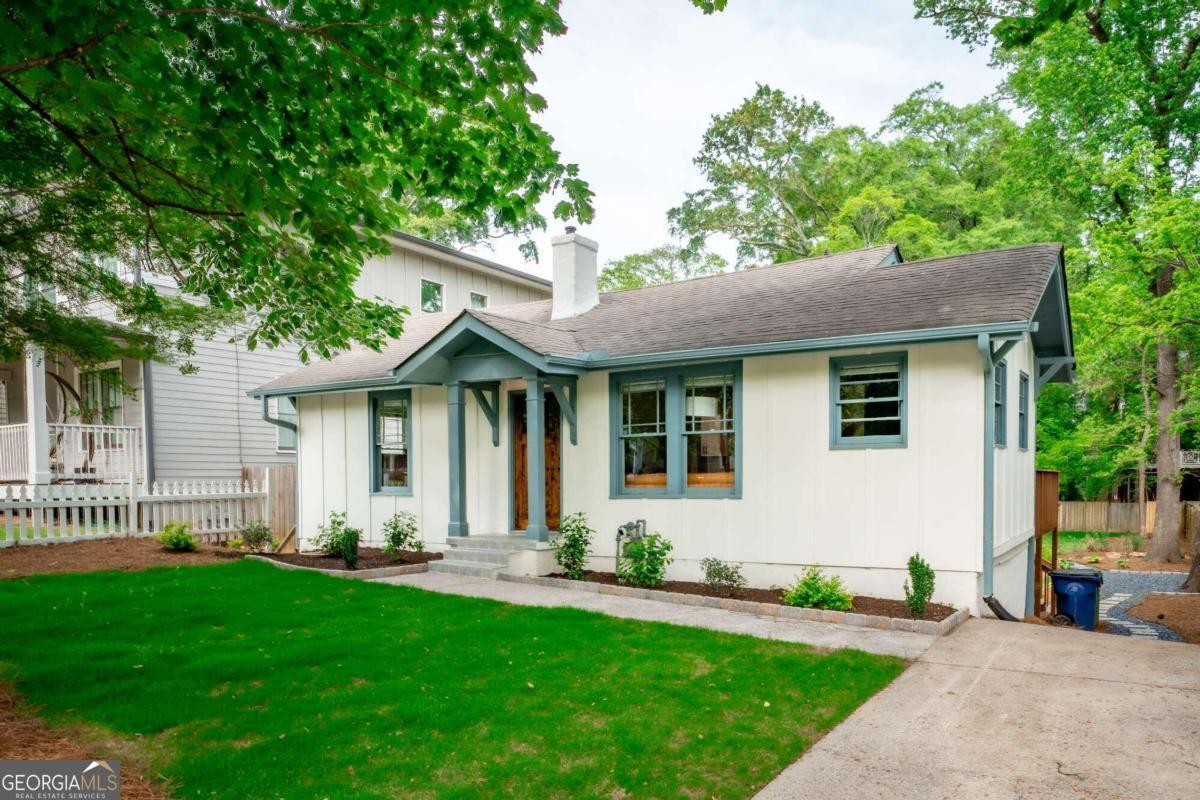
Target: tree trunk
[1165, 544]
[1192, 584]
[1143, 528]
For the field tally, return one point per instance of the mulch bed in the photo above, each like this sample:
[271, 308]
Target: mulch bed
[126, 555]
[27, 737]
[368, 558]
[1179, 612]
[873, 606]
[1108, 560]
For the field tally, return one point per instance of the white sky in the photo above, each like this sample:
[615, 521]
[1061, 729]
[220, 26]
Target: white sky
[632, 84]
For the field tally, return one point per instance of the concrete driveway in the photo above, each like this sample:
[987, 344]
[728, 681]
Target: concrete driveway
[1004, 710]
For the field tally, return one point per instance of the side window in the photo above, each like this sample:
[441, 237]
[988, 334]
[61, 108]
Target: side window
[391, 434]
[284, 408]
[432, 294]
[1000, 404]
[101, 396]
[1023, 412]
[867, 401]
[479, 300]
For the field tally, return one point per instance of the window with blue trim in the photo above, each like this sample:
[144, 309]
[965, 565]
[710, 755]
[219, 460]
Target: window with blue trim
[391, 435]
[675, 432]
[1000, 404]
[284, 408]
[867, 400]
[1023, 412]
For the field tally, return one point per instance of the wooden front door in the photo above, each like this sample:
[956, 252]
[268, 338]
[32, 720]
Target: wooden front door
[520, 462]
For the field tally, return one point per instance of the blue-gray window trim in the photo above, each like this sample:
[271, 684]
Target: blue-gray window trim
[676, 440]
[836, 364]
[373, 399]
[1000, 404]
[1023, 411]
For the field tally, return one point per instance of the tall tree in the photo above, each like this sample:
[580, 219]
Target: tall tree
[1110, 88]
[663, 264]
[257, 152]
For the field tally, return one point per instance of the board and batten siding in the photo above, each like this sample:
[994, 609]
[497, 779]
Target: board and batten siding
[858, 513]
[206, 427]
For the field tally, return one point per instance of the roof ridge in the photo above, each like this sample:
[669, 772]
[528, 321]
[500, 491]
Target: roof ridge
[987, 251]
[756, 268]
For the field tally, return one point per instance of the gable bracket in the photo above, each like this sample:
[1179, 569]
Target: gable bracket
[567, 394]
[1047, 368]
[488, 397]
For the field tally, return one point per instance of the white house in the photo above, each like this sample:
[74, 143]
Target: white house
[62, 422]
[848, 411]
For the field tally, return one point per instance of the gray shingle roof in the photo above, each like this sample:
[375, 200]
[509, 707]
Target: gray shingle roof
[844, 294]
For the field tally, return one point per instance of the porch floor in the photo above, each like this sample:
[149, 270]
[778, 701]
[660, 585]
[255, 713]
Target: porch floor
[505, 541]
[819, 634]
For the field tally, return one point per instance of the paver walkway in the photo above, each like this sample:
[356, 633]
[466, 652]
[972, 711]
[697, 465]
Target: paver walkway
[820, 634]
[1122, 590]
[1004, 710]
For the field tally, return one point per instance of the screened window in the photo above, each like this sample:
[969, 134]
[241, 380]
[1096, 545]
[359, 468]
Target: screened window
[1000, 403]
[284, 408]
[479, 300]
[867, 395]
[644, 434]
[432, 294]
[676, 432]
[391, 430]
[1023, 412]
[708, 430]
[101, 396]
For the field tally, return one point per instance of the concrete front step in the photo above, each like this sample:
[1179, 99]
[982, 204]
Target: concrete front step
[481, 555]
[451, 567]
[493, 541]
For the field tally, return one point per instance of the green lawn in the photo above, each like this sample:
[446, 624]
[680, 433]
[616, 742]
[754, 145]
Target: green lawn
[1076, 541]
[242, 680]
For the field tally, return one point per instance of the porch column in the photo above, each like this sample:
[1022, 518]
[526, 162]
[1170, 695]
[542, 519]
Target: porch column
[535, 429]
[37, 429]
[456, 398]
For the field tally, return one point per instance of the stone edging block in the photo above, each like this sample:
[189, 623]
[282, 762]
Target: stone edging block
[357, 574]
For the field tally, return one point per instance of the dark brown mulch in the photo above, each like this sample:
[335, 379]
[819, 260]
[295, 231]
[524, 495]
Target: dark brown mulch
[874, 606]
[1179, 612]
[1108, 560]
[368, 558]
[126, 555]
[23, 736]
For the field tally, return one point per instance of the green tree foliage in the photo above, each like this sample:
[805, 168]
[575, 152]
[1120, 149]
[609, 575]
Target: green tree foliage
[258, 153]
[785, 182]
[664, 264]
[1110, 90]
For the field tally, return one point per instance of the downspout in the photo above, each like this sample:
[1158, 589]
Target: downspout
[984, 343]
[148, 420]
[282, 423]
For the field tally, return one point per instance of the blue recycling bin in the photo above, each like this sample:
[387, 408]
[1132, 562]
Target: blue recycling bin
[1078, 594]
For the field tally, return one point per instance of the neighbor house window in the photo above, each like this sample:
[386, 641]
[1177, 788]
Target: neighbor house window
[432, 294]
[1000, 403]
[3, 401]
[101, 396]
[1023, 412]
[676, 432]
[867, 401]
[284, 408]
[479, 300]
[391, 436]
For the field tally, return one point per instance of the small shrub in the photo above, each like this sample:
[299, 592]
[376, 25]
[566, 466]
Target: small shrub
[1093, 559]
[918, 589]
[337, 539]
[1064, 563]
[176, 538]
[1135, 542]
[814, 590]
[1091, 544]
[645, 561]
[725, 579]
[575, 537]
[400, 533]
[1122, 563]
[256, 536]
[236, 544]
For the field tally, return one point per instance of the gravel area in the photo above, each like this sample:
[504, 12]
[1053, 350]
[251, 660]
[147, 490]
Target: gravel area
[1129, 588]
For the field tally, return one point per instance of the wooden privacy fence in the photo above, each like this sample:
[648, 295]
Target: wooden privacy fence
[280, 479]
[1102, 516]
[70, 513]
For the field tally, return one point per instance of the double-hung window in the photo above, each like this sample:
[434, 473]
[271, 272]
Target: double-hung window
[1000, 404]
[432, 296]
[391, 437]
[867, 403]
[675, 432]
[1023, 412]
[284, 408]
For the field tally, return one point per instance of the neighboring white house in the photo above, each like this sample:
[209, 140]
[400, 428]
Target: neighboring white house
[170, 426]
[848, 411]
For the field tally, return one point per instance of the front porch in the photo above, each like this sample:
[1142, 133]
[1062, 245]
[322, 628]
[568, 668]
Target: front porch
[60, 422]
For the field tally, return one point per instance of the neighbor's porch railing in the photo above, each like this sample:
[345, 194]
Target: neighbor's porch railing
[84, 453]
[14, 453]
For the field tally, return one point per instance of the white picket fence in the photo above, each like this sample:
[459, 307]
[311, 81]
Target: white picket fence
[71, 513]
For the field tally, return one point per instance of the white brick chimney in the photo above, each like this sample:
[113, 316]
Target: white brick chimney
[574, 275]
